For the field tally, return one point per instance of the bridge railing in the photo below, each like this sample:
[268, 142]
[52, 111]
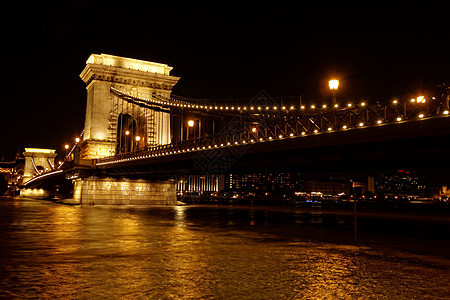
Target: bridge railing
[262, 128]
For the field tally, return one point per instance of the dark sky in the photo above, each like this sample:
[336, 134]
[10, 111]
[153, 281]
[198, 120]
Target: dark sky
[227, 49]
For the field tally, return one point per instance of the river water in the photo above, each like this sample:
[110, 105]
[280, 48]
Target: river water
[51, 250]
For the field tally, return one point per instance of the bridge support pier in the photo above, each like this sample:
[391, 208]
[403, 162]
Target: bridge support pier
[37, 193]
[113, 191]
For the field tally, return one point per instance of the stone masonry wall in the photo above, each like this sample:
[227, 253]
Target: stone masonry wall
[108, 191]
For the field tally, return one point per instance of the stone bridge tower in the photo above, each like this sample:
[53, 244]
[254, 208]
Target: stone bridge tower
[109, 118]
[37, 160]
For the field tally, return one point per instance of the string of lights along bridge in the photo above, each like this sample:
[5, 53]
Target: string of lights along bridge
[261, 124]
[192, 104]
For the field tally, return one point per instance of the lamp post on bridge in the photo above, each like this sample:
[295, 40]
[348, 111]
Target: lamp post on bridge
[333, 84]
[137, 138]
[190, 125]
[127, 133]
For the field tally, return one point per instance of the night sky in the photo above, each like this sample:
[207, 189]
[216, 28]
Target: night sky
[219, 49]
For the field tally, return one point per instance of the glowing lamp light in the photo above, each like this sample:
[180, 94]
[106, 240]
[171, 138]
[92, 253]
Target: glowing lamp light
[445, 112]
[66, 146]
[127, 132]
[421, 99]
[399, 119]
[77, 140]
[336, 105]
[191, 123]
[333, 84]
[361, 124]
[395, 101]
[324, 106]
[379, 122]
[254, 129]
[421, 116]
[138, 138]
[344, 127]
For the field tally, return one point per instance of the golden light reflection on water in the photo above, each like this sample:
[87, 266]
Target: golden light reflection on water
[71, 252]
[187, 267]
[64, 228]
[129, 227]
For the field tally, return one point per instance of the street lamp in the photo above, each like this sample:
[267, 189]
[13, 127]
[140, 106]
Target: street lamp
[77, 140]
[420, 99]
[137, 138]
[190, 125]
[333, 84]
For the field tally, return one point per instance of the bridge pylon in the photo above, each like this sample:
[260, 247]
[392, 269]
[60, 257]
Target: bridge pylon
[112, 124]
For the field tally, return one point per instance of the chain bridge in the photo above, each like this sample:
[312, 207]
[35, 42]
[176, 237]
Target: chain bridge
[139, 139]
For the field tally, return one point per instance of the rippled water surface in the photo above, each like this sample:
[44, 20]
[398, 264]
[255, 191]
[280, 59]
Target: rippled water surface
[52, 250]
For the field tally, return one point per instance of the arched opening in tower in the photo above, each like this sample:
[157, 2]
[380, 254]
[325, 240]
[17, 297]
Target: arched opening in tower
[127, 134]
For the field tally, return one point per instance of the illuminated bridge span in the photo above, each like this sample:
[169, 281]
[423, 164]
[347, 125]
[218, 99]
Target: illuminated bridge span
[256, 124]
[138, 137]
